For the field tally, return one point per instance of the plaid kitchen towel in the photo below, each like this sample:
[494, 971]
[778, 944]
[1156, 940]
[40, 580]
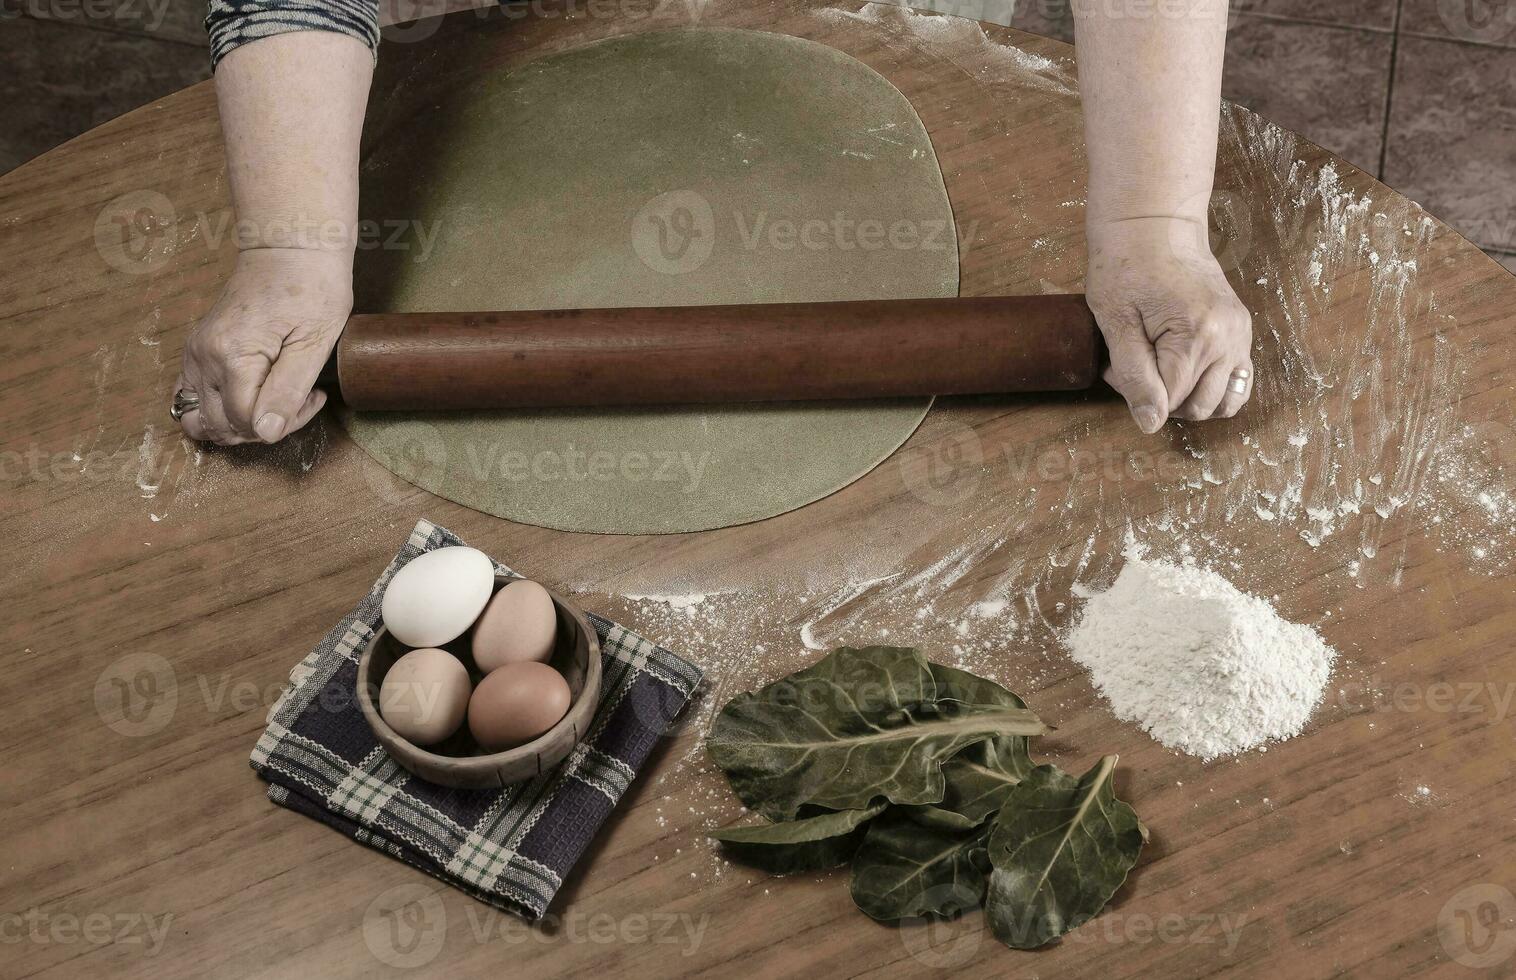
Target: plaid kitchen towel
[509, 847]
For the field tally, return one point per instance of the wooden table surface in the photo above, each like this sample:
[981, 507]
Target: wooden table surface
[155, 594]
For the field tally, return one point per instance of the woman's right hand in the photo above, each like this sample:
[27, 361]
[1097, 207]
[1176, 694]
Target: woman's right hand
[254, 358]
[1176, 331]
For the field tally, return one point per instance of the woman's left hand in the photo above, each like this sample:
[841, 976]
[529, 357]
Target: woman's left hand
[1179, 338]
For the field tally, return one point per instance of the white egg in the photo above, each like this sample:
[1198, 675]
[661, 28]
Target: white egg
[437, 597]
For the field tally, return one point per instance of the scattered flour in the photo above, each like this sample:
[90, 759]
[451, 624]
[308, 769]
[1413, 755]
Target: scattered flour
[1201, 666]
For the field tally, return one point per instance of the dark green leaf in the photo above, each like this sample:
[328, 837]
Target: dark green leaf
[980, 777]
[905, 870]
[1060, 848]
[935, 817]
[857, 725]
[811, 844]
[970, 688]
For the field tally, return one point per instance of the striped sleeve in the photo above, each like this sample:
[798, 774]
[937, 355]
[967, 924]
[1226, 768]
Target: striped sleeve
[231, 23]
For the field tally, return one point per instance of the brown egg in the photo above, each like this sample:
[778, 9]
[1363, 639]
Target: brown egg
[424, 696]
[519, 624]
[516, 703]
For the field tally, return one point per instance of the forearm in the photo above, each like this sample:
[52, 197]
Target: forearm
[1150, 81]
[292, 110]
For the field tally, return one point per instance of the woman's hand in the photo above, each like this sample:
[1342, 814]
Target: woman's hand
[1175, 329]
[253, 360]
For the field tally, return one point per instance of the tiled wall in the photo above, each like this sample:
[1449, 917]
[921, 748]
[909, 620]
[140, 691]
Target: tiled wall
[69, 65]
[1421, 93]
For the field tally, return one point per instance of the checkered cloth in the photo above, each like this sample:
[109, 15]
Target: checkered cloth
[508, 847]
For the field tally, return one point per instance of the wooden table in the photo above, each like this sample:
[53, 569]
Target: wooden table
[155, 594]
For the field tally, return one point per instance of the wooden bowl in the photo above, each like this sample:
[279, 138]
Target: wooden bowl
[460, 761]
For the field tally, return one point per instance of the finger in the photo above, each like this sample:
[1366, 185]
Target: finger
[195, 423]
[313, 404]
[1208, 392]
[1233, 400]
[189, 421]
[1133, 370]
[286, 391]
[194, 426]
[1181, 362]
[238, 394]
[213, 418]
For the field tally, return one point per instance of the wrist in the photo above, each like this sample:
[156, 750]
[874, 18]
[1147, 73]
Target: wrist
[1138, 226]
[294, 232]
[1152, 235]
[312, 261]
[311, 277]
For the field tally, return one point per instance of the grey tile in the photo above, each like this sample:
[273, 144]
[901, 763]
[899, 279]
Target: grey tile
[1371, 14]
[1507, 259]
[1475, 21]
[1328, 84]
[62, 79]
[1452, 136]
[1050, 18]
[167, 20]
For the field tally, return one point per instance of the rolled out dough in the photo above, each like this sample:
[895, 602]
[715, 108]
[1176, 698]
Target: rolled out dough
[667, 168]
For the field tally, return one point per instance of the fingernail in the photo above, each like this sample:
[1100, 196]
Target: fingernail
[1147, 419]
[269, 427]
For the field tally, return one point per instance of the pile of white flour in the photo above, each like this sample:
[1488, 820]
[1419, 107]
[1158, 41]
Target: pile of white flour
[1201, 666]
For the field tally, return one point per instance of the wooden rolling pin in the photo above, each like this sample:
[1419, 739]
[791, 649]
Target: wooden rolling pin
[717, 354]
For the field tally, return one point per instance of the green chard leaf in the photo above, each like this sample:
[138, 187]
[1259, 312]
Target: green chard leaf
[980, 777]
[859, 724]
[810, 844]
[936, 818]
[961, 685]
[1060, 849]
[904, 869]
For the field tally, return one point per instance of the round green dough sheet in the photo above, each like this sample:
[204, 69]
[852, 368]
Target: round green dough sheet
[684, 167]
